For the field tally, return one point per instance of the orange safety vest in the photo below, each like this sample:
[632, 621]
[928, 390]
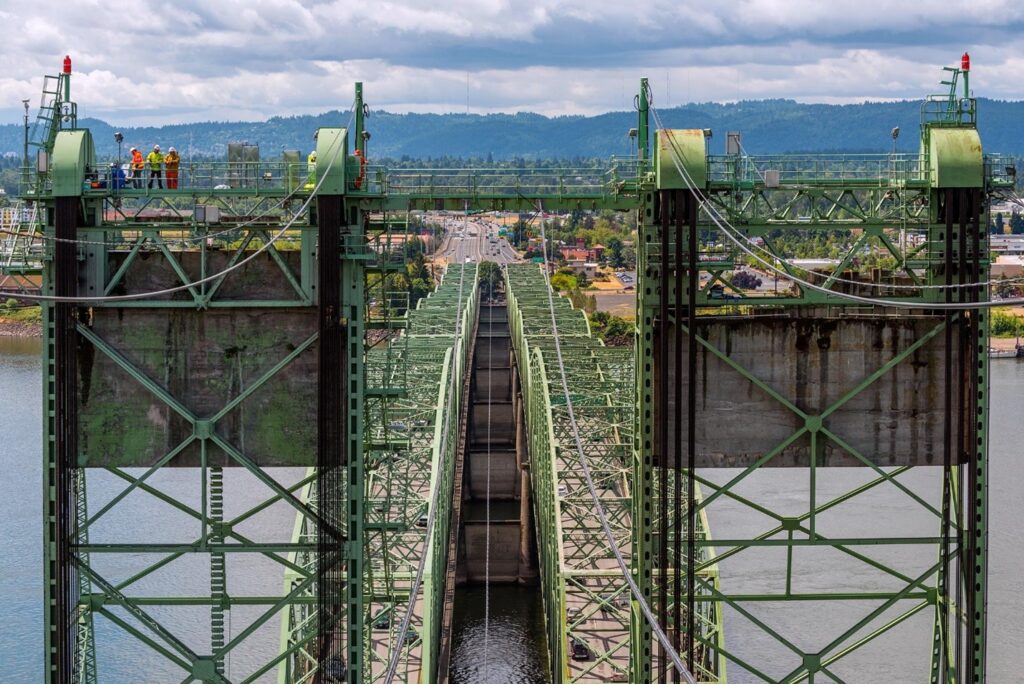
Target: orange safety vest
[138, 163]
[362, 170]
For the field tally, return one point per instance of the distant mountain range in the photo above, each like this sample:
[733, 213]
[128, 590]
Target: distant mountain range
[768, 126]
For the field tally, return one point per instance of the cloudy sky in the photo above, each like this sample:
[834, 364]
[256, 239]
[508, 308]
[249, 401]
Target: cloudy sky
[146, 62]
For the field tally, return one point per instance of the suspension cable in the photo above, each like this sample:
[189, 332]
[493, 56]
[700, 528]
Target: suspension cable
[487, 504]
[659, 632]
[727, 229]
[837, 279]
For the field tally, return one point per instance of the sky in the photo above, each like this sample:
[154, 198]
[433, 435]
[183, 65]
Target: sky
[138, 62]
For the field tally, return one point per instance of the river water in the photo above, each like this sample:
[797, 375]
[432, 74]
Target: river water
[516, 611]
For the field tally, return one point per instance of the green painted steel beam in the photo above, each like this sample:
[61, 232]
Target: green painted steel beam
[586, 598]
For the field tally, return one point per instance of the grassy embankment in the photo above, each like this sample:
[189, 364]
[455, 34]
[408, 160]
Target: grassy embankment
[20, 321]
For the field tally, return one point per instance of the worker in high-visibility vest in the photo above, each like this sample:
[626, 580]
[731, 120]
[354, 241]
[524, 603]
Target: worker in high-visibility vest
[154, 160]
[311, 167]
[138, 166]
[171, 162]
[362, 169]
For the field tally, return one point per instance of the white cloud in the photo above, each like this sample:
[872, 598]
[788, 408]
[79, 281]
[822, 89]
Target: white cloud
[157, 62]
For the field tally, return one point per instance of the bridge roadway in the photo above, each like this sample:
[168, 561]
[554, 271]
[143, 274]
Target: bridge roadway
[475, 239]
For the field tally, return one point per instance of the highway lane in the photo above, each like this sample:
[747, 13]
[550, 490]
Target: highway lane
[475, 239]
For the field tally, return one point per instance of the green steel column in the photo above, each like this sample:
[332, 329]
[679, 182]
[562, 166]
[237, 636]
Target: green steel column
[979, 512]
[643, 126]
[50, 638]
[332, 441]
[353, 281]
[643, 465]
[61, 512]
[978, 499]
[25, 174]
[360, 122]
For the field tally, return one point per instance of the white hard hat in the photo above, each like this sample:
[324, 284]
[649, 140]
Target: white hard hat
[134, 149]
[171, 149]
[156, 147]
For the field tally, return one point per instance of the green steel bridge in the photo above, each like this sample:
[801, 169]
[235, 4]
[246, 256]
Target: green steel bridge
[256, 320]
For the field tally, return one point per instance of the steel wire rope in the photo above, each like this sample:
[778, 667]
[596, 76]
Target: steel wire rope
[836, 279]
[721, 222]
[660, 634]
[399, 643]
[336, 147]
[487, 501]
[894, 286]
[194, 238]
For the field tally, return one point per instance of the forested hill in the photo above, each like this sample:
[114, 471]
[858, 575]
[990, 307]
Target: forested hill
[768, 126]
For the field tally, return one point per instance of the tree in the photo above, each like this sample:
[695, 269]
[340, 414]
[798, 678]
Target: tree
[618, 327]
[612, 329]
[414, 247]
[1016, 223]
[563, 282]
[614, 252]
[998, 225]
[745, 280]
[490, 278]
[584, 302]
[417, 279]
[628, 258]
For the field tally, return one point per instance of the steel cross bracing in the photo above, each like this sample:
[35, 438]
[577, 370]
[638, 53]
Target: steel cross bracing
[407, 397]
[903, 587]
[134, 401]
[21, 246]
[588, 605]
[405, 466]
[760, 405]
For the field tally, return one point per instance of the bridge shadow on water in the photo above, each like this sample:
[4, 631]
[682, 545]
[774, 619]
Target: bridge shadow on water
[515, 652]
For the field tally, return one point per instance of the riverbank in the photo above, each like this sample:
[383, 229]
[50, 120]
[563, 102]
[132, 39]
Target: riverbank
[21, 322]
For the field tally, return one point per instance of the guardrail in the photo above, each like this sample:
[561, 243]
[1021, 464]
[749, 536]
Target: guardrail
[811, 168]
[191, 176]
[512, 182]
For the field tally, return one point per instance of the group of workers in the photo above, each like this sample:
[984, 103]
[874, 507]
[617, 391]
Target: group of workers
[157, 163]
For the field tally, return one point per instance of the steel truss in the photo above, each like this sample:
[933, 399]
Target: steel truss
[122, 568]
[587, 602]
